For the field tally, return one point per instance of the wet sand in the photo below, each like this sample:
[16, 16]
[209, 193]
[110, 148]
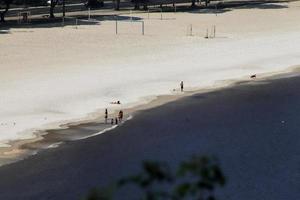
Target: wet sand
[253, 128]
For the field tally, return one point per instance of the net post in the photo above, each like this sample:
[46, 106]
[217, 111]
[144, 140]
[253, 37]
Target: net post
[214, 31]
[29, 17]
[116, 25]
[216, 10]
[19, 20]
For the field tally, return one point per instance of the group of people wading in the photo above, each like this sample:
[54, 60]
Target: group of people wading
[119, 118]
[115, 120]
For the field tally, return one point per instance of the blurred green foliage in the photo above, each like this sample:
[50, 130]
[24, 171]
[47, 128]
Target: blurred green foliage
[195, 178]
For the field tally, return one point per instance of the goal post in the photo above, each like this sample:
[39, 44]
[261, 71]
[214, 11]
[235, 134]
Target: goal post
[24, 17]
[73, 21]
[160, 10]
[117, 27]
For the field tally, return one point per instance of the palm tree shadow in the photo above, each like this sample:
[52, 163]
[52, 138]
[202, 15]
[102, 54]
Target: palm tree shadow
[211, 11]
[220, 8]
[78, 20]
[263, 6]
[257, 4]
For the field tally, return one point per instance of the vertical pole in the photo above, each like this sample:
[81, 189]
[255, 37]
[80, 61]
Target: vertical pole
[116, 26]
[63, 21]
[143, 28]
[76, 22]
[131, 15]
[89, 13]
[64, 8]
[214, 31]
[191, 30]
[216, 10]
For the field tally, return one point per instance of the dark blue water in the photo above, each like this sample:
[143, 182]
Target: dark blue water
[254, 130]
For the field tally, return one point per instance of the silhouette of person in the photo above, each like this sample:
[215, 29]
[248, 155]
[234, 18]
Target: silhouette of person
[120, 115]
[181, 86]
[106, 115]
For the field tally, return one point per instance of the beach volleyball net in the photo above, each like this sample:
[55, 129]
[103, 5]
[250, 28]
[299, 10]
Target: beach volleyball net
[155, 13]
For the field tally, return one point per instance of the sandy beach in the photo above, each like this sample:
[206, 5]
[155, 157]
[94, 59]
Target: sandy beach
[68, 75]
[252, 128]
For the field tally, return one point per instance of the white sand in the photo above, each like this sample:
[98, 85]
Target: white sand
[53, 75]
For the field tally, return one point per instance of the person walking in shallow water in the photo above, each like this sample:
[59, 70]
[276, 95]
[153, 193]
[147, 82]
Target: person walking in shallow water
[181, 86]
[106, 116]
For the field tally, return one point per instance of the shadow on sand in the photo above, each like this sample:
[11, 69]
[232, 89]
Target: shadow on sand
[96, 19]
[220, 8]
[77, 20]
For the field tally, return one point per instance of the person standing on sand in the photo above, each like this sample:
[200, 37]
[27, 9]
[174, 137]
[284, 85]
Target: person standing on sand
[120, 115]
[116, 120]
[112, 121]
[106, 115]
[181, 86]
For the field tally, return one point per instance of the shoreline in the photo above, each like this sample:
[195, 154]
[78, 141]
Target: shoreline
[68, 87]
[251, 128]
[43, 95]
[53, 137]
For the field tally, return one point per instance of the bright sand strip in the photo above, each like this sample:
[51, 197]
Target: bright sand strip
[50, 76]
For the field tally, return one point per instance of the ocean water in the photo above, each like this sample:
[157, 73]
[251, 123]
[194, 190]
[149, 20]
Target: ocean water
[252, 128]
